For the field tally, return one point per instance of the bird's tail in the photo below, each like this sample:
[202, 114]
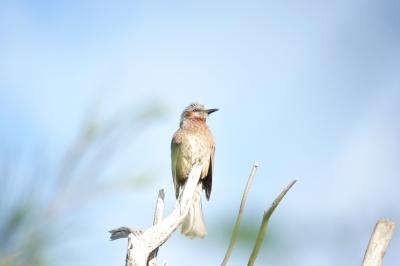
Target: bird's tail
[193, 225]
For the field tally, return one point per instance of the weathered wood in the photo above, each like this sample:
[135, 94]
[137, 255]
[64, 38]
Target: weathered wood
[379, 242]
[142, 243]
[157, 219]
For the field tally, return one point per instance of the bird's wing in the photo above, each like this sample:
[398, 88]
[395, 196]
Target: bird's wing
[207, 181]
[175, 154]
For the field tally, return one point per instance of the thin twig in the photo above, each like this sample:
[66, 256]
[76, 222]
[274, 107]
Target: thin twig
[157, 219]
[235, 231]
[264, 224]
[123, 232]
[378, 243]
[129, 257]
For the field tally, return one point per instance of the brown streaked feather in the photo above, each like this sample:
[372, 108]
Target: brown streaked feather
[193, 143]
[175, 153]
[207, 181]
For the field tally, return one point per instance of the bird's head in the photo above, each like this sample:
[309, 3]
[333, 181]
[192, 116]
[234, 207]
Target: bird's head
[196, 111]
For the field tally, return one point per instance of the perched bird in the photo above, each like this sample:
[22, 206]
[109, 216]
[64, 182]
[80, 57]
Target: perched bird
[193, 143]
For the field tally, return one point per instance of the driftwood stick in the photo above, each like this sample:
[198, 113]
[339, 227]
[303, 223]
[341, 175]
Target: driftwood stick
[140, 245]
[264, 224]
[235, 231]
[378, 243]
[157, 219]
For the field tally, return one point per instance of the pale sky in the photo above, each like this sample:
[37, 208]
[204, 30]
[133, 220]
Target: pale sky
[309, 89]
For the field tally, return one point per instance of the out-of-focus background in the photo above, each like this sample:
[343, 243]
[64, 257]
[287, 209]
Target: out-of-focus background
[91, 93]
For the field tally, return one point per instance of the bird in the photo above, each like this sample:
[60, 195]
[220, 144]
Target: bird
[193, 143]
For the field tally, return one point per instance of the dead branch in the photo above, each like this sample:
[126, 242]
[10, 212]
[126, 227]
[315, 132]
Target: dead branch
[141, 245]
[378, 243]
[157, 219]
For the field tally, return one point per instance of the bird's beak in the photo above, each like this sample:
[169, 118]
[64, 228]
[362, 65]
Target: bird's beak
[209, 111]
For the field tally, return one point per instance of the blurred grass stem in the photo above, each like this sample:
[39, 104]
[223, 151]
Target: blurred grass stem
[264, 224]
[235, 232]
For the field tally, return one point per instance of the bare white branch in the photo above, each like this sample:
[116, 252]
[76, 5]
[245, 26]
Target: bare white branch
[141, 245]
[379, 242]
[157, 219]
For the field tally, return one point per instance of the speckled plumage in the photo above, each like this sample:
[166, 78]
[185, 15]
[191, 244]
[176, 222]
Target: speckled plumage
[193, 143]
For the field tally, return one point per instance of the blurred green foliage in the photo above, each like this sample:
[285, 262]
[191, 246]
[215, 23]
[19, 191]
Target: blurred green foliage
[31, 201]
[275, 242]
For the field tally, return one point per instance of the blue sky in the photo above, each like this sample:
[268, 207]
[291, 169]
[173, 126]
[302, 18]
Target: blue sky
[309, 89]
